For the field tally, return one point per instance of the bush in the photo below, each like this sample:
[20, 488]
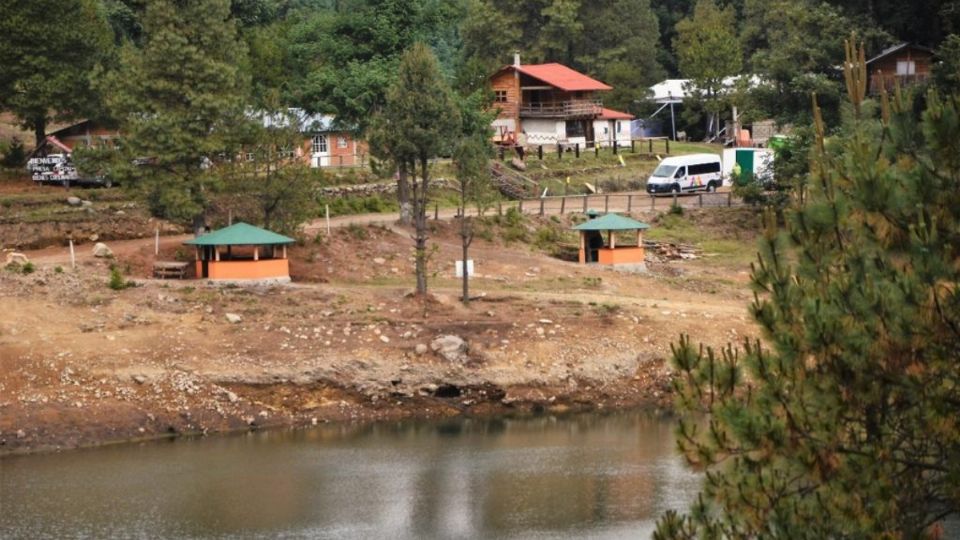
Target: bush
[117, 282]
[57, 269]
[28, 268]
[675, 210]
[15, 156]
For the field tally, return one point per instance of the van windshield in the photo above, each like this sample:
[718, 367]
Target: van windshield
[665, 171]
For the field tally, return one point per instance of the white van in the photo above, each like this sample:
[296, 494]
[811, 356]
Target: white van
[688, 173]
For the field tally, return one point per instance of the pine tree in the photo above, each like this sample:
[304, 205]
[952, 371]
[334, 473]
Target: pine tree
[844, 422]
[48, 50]
[419, 121]
[179, 100]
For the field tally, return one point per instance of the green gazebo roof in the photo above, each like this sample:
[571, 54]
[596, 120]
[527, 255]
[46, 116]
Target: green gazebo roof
[240, 234]
[611, 222]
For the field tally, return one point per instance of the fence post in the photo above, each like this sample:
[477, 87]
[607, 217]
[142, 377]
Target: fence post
[629, 203]
[729, 199]
[614, 147]
[596, 149]
[559, 151]
[668, 146]
[633, 146]
[499, 208]
[606, 204]
[674, 198]
[540, 152]
[576, 149]
[436, 212]
[650, 146]
[653, 202]
[585, 197]
[563, 204]
[700, 197]
[541, 205]
[520, 206]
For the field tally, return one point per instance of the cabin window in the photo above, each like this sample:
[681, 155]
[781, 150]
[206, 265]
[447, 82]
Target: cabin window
[575, 128]
[906, 67]
[319, 144]
[249, 156]
[500, 96]
[341, 142]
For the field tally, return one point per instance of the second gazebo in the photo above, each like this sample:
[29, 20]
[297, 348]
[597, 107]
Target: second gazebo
[593, 249]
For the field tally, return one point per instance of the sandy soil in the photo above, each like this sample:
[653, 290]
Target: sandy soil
[81, 364]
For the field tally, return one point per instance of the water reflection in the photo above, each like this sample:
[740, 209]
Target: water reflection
[575, 477]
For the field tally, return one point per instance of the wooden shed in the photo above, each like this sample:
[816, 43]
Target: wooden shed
[242, 252]
[593, 248]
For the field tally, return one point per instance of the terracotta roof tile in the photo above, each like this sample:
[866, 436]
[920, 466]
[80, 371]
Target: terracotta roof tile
[562, 77]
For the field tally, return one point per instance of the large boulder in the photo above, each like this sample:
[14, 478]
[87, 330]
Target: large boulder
[74, 201]
[14, 257]
[101, 250]
[451, 348]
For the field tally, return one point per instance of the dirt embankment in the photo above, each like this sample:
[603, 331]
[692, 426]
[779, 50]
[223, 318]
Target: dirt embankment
[81, 364]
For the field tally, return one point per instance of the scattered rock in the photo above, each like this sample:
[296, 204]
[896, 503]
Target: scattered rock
[101, 250]
[384, 338]
[233, 318]
[74, 201]
[379, 260]
[451, 348]
[86, 204]
[139, 379]
[231, 397]
[421, 349]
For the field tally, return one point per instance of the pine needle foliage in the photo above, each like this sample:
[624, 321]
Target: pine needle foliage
[844, 420]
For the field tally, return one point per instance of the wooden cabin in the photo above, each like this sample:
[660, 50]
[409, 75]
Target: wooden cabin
[905, 63]
[325, 143]
[551, 104]
[242, 253]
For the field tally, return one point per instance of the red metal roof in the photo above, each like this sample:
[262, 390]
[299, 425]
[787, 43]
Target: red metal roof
[560, 76]
[610, 114]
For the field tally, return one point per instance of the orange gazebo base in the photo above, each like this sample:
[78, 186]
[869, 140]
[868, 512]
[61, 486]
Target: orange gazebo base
[240, 270]
[621, 255]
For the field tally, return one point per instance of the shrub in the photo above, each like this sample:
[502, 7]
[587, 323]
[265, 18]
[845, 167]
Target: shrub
[58, 269]
[676, 209]
[117, 282]
[15, 155]
[28, 268]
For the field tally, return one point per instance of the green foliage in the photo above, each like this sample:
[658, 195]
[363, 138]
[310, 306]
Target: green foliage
[14, 156]
[117, 282]
[48, 50]
[28, 268]
[57, 269]
[357, 232]
[675, 209]
[843, 423]
[351, 205]
[175, 119]
[946, 72]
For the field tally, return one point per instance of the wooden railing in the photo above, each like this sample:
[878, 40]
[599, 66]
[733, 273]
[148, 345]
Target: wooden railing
[889, 81]
[562, 109]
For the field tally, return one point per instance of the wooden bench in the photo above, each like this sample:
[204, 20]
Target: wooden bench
[170, 269]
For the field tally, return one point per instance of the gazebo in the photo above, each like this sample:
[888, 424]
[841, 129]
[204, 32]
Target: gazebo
[242, 252]
[594, 250]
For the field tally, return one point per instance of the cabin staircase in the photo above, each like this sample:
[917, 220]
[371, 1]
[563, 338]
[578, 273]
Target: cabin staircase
[511, 183]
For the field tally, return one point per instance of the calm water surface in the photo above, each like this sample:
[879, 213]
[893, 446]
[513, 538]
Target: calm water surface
[590, 476]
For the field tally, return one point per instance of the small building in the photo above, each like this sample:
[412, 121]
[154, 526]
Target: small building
[593, 248]
[325, 143]
[905, 64]
[553, 104]
[242, 252]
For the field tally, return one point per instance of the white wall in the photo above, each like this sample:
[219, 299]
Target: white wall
[544, 131]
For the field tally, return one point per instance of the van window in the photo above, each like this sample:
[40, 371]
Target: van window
[705, 168]
[664, 171]
[680, 173]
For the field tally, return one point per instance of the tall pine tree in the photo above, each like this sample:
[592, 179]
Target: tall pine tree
[845, 421]
[178, 100]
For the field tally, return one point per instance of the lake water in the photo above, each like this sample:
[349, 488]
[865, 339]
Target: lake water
[584, 476]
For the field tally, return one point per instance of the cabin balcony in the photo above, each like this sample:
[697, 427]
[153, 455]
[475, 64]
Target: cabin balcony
[890, 81]
[574, 108]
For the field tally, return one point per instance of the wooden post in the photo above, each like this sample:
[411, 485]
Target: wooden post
[541, 205]
[629, 203]
[668, 146]
[499, 208]
[614, 146]
[674, 198]
[585, 197]
[540, 152]
[520, 205]
[284, 251]
[256, 253]
[653, 202]
[563, 204]
[576, 150]
[216, 253]
[606, 204]
[156, 242]
[596, 149]
[650, 146]
[633, 146]
[612, 239]
[327, 209]
[700, 198]
[230, 216]
[729, 198]
[583, 248]
[73, 256]
[436, 212]
[559, 151]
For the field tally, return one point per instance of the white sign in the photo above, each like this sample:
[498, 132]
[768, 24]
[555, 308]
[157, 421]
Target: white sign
[459, 268]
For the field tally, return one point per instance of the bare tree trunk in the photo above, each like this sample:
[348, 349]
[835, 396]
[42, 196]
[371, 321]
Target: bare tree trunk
[39, 131]
[420, 224]
[403, 193]
[466, 236]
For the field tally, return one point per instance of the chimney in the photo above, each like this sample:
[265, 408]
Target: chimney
[516, 59]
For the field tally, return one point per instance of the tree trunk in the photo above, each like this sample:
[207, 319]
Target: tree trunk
[39, 131]
[467, 237]
[420, 223]
[403, 193]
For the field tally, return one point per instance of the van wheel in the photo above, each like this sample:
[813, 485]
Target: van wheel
[676, 188]
[711, 187]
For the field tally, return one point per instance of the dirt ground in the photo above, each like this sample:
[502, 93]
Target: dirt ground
[81, 364]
